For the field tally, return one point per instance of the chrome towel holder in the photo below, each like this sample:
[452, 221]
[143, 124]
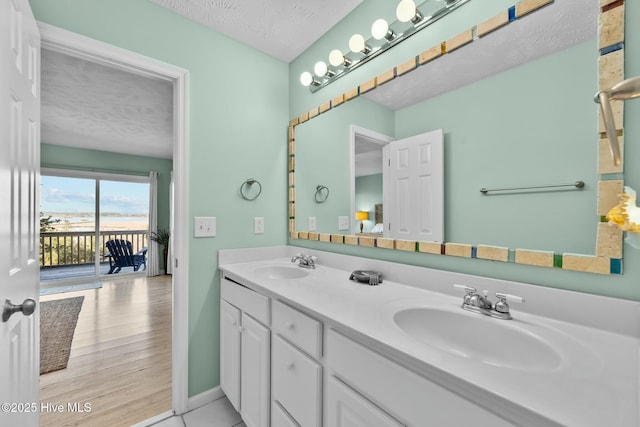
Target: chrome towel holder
[246, 185]
[322, 193]
[577, 185]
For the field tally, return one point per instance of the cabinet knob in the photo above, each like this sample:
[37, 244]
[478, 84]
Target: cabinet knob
[290, 326]
[291, 366]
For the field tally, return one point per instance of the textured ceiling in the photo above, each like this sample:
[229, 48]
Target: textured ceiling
[98, 107]
[282, 28]
[549, 30]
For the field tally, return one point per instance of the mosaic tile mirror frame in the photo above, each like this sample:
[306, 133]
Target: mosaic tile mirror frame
[609, 240]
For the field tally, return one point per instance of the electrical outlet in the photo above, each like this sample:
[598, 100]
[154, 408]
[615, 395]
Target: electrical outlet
[258, 225]
[204, 226]
[343, 223]
[312, 223]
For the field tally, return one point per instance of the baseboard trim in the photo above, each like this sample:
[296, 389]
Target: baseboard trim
[204, 398]
[154, 420]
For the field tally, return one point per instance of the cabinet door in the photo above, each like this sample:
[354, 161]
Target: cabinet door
[348, 409]
[230, 352]
[254, 383]
[279, 418]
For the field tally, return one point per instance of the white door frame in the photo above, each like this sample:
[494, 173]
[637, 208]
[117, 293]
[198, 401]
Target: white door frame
[69, 43]
[378, 138]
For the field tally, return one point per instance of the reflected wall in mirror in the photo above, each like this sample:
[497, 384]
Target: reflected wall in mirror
[516, 108]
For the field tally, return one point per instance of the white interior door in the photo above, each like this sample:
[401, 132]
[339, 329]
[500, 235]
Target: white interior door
[416, 193]
[19, 213]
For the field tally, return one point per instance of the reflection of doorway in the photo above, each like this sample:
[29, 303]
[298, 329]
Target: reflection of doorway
[407, 176]
[369, 154]
[416, 187]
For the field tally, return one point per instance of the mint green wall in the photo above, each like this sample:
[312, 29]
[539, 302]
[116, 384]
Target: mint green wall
[493, 139]
[238, 115]
[368, 194]
[58, 157]
[325, 143]
[624, 286]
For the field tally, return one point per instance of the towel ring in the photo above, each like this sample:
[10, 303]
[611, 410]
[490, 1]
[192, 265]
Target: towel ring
[249, 182]
[321, 197]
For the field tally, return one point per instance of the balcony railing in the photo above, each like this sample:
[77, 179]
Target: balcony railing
[79, 247]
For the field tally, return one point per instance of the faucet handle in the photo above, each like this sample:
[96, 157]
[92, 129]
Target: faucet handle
[501, 305]
[508, 297]
[465, 288]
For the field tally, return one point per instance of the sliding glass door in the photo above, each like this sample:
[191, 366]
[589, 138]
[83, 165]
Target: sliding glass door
[80, 212]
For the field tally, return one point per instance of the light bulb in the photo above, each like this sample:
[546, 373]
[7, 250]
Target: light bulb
[336, 58]
[320, 68]
[356, 43]
[379, 29]
[306, 78]
[406, 10]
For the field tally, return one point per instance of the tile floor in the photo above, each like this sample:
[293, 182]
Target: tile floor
[218, 413]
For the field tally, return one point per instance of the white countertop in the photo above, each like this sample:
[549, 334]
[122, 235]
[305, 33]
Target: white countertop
[595, 384]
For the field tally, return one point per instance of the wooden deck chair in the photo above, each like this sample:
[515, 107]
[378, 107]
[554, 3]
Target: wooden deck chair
[121, 255]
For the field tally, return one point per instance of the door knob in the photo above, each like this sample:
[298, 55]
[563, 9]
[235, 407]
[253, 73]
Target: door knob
[27, 308]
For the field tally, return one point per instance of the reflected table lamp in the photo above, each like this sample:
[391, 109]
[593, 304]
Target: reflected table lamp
[362, 216]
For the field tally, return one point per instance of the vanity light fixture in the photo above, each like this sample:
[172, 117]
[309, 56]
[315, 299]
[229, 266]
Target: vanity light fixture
[380, 30]
[407, 11]
[306, 79]
[358, 45]
[384, 35]
[337, 59]
[626, 89]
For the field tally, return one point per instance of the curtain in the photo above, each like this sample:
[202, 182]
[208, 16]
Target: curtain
[170, 254]
[153, 254]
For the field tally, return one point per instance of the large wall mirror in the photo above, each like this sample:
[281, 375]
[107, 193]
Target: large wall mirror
[513, 98]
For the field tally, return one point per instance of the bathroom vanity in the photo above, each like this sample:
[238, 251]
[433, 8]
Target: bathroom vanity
[309, 347]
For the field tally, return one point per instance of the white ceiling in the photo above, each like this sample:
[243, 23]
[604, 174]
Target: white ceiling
[93, 106]
[281, 28]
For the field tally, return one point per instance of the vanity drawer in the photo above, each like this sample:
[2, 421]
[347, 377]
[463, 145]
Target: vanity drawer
[300, 329]
[246, 300]
[379, 380]
[296, 381]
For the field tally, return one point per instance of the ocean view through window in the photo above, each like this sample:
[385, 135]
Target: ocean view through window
[80, 212]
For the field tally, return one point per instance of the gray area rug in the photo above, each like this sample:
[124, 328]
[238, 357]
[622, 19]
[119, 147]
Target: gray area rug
[58, 321]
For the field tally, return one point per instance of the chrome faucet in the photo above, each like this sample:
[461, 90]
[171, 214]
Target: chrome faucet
[477, 303]
[306, 261]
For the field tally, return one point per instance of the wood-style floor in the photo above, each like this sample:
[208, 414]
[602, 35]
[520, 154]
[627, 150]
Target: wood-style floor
[120, 361]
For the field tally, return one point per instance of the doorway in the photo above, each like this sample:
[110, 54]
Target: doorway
[69, 43]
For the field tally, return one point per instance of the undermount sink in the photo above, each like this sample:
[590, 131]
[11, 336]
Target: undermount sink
[496, 342]
[282, 272]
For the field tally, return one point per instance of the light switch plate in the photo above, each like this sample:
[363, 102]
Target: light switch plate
[204, 226]
[312, 223]
[343, 223]
[258, 225]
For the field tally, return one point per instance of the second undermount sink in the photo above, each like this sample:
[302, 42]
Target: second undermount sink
[490, 341]
[281, 272]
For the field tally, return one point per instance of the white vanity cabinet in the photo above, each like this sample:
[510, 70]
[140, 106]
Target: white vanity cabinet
[245, 347]
[295, 369]
[403, 394]
[347, 408]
